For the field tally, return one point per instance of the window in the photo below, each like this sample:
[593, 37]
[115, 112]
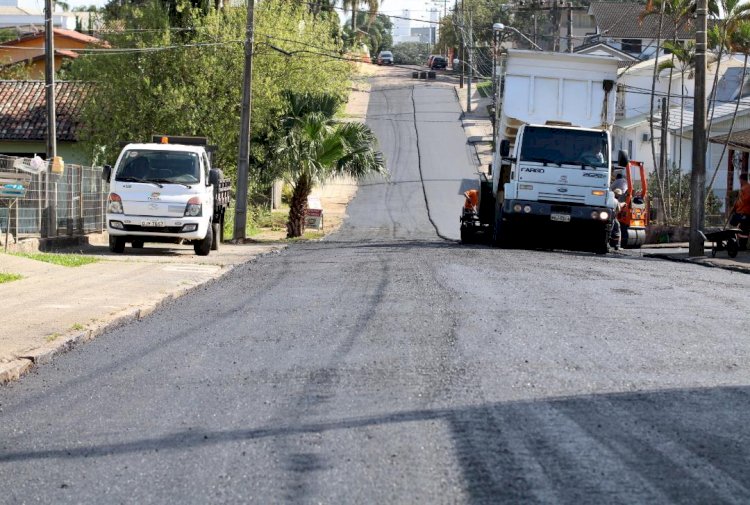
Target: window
[632, 45]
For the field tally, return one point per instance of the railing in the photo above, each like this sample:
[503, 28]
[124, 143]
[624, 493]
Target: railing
[69, 204]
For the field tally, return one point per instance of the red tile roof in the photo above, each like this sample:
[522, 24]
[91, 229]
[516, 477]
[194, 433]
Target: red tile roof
[59, 32]
[23, 113]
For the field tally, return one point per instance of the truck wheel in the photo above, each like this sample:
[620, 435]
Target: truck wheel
[216, 230]
[601, 245]
[732, 248]
[203, 247]
[501, 232]
[117, 244]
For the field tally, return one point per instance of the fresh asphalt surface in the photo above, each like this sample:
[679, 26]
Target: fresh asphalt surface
[387, 365]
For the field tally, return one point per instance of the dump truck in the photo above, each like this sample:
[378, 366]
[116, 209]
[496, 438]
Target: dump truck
[549, 181]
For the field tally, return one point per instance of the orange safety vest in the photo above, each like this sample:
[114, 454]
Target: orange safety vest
[472, 199]
[742, 206]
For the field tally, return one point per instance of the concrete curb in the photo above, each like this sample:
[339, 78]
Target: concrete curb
[15, 369]
[699, 261]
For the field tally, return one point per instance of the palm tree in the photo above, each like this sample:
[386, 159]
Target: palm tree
[314, 148]
[353, 5]
[739, 42]
[684, 56]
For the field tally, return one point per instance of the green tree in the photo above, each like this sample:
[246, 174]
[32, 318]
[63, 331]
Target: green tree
[410, 53]
[189, 82]
[314, 147]
[376, 31]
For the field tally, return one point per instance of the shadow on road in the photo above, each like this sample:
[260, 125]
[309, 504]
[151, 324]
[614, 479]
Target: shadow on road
[685, 445]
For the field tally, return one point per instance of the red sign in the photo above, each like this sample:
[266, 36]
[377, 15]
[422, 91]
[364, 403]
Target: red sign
[314, 212]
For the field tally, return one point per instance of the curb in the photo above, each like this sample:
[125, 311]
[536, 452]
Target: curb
[14, 370]
[703, 263]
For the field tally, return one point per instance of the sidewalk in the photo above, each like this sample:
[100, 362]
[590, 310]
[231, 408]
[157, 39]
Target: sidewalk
[52, 308]
[479, 133]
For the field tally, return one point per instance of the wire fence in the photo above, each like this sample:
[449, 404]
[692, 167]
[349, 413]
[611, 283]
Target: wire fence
[68, 204]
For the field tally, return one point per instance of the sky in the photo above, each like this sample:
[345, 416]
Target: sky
[418, 8]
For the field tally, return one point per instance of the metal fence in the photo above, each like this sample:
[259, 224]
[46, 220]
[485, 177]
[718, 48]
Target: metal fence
[69, 204]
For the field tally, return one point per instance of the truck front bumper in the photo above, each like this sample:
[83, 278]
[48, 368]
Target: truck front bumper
[188, 228]
[556, 213]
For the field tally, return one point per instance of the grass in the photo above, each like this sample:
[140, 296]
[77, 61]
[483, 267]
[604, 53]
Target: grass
[9, 277]
[77, 327]
[65, 260]
[53, 337]
[484, 88]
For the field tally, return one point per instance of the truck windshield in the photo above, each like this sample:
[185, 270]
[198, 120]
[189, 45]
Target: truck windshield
[564, 146]
[170, 167]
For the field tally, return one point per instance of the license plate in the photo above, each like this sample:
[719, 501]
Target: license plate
[153, 224]
[563, 218]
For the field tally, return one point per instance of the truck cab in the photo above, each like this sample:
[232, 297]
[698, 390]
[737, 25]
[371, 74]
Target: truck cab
[164, 191]
[557, 174]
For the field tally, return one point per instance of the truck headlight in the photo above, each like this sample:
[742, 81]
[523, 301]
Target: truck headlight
[193, 207]
[604, 215]
[114, 204]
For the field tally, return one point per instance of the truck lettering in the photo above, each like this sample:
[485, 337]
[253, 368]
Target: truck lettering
[531, 169]
[596, 176]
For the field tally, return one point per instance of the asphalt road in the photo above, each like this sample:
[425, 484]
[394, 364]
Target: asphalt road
[387, 365]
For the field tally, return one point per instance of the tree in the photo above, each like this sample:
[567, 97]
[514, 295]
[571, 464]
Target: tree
[683, 60]
[410, 53]
[377, 30]
[187, 82]
[314, 147]
[353, 7]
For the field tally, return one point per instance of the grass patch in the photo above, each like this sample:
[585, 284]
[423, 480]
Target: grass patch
[9, 277]
[484, 88]
[65, 260]
[77, 327]
[53, 337]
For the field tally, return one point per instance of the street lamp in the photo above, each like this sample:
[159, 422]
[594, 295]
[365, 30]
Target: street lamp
[501, 27]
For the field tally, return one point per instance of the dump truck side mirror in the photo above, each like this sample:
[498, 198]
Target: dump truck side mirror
[623, 158]
[504, 148]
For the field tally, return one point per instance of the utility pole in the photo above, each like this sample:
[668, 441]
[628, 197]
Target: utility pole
[49, 79]
[698, 176]
[240, 209]
[570, 27]
[535, 28]
[663, 142]
[470, 49]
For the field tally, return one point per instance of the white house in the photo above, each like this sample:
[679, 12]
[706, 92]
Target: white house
[28, 16]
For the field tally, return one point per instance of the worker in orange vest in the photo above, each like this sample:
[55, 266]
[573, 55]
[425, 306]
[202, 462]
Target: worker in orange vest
[741, 211]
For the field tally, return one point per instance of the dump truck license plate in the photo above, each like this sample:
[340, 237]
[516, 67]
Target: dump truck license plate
[564, 218]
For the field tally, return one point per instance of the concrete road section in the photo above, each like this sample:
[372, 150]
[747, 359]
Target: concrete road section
[387, 365]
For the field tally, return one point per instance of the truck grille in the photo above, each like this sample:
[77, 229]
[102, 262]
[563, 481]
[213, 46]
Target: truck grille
[561, 197]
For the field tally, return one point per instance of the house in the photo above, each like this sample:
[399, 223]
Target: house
[28, 15]
[632, 129]
[29, 49]
[23, 119]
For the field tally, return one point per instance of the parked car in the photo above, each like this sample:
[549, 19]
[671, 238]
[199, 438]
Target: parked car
[438, 62]
[429, 60]
[385, 58]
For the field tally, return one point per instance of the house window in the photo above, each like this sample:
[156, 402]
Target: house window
[632, 45]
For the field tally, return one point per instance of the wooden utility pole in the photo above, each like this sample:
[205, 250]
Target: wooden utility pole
[470, 49]
[240, 209]
[570, 27]
[698, 176]
[49, 79]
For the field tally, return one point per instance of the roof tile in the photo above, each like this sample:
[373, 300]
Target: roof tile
[23, 114]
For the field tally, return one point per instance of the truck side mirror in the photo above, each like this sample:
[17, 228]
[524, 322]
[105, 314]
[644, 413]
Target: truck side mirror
[106, 173]
[504, 148]
[214, 176]
[623, 158]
